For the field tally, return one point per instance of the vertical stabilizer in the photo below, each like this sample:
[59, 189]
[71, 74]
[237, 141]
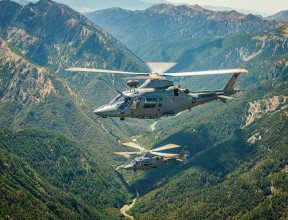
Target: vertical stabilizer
[231, 84]
[182, 154]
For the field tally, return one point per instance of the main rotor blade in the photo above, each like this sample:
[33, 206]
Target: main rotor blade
[138, 77]
[160, 67]
[163, 154]
[165, 147]
[208, 72]
[76, 69]
[127, 154]
[132, 144]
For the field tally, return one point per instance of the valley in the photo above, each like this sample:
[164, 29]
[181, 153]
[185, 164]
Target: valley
[57, 160]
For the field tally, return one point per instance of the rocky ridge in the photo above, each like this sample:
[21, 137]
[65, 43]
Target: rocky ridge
[168, 22]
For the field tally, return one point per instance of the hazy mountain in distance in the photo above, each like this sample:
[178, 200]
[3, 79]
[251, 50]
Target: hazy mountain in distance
[23, 2]
[282, 15]
[164, 22]
[219, 8]
[92, 5]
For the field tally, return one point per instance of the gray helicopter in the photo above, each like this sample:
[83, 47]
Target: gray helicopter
[152, 159]
[158, 97]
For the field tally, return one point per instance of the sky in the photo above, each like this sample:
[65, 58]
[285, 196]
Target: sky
[263, 7]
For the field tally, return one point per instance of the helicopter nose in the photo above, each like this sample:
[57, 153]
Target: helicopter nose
[106, 110]
[129, 167]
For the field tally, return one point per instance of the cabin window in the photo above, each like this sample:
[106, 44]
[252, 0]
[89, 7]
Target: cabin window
[150, 103]
[160, 102]
[146, 164]
[136, 103]
[176, 92]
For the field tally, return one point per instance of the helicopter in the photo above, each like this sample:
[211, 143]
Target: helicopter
[152, 159]
[158, 97]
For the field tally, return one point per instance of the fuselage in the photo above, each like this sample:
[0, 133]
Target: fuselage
[154, 99]
[147, 163]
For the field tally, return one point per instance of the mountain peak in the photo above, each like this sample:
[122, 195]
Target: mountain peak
[196, 7]
[282, 15]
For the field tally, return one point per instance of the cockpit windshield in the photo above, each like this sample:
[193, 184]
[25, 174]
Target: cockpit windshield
[120, 99]
[133, 163]
[121, 102]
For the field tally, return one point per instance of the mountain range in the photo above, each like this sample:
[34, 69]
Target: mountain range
[166, 22]
[90, 5]
[236, 169]
[32, 38]
[238, 165]
[56, 159]
[282, 15]
[38, 41]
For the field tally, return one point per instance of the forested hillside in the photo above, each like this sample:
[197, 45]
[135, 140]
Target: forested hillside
[52, 176]
[56, 159]
[238, 167]
[238, 164]
[38, 41]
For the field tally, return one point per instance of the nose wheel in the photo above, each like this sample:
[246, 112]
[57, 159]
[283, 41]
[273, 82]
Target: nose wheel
[122, 119]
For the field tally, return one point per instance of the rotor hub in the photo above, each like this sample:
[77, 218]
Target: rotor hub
[133, 83]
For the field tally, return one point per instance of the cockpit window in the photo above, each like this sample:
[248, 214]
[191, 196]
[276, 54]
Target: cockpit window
[115, 99]
[160, 102]
[121, 101]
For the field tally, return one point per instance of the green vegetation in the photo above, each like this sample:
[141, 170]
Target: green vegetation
[56, 178]
[235, 170]
[40, 99]
[227, 176]
[220, 151]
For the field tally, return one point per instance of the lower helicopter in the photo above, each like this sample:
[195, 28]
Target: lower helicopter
[153, 159]
[158, 97]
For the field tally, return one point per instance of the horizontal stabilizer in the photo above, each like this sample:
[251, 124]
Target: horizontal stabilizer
[225, 97]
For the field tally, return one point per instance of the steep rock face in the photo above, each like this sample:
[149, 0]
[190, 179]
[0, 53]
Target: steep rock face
[31, 96]
[54, 35]
[56, 30]
[23, 79]
[168, 22]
